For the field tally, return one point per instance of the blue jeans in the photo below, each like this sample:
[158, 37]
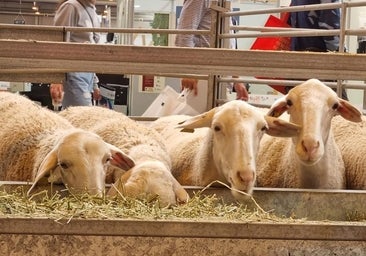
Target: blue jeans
[78, 87]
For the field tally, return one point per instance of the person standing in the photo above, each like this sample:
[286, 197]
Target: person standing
[196, 14]
[78, 86]
[316, 19]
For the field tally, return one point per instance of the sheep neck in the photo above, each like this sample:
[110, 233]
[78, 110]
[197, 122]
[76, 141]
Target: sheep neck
[205, 162]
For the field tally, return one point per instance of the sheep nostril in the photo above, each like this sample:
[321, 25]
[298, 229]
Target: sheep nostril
[310, 146]
[245, 176]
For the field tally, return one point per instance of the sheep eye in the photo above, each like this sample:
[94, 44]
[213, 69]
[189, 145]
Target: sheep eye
[108, 160]
[289, 103]
[217, 128]
[335, 106]
[63, 165]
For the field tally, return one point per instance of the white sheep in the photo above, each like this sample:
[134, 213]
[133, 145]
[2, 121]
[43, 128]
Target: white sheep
[151, 174]
[37, 143]
[351, 140]
[312, 159]
[225, 146]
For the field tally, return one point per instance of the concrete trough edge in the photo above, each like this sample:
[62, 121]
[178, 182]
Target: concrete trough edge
[188, 229]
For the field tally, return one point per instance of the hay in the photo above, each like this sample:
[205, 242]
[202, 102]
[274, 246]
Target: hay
[55, 206]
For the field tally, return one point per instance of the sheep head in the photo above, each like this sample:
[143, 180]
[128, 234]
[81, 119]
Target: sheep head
[312, 105]
[236, 129]
[150, 179]
[79, 160]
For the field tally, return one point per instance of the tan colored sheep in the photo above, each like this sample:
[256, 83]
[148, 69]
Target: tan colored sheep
[223, 145]
[312, 159]
[351, 140]
[151, 174]
[37, 143]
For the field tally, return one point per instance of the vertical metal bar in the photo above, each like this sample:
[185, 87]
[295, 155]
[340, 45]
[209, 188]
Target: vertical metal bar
[226, 43]
[225, 21]
[212, 90]
[219, 91]
[342, 36]
[214, 28]
[211, 99]
[125, 15]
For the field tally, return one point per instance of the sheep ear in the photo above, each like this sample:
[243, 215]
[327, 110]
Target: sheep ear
[120, 159]
[118, 186]
[278, 107]
[202, 120]
[125, 186]
[348, 111]
[180, 193]
[48, 164]
[281, 128]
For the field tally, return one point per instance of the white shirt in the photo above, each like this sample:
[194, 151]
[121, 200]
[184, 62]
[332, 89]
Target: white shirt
[78, 13]
[195, 14]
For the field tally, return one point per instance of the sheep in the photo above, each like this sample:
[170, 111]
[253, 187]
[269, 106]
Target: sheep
[151, 174]
[36, 143]
[223, 148]
[312, 159]
[351, 140]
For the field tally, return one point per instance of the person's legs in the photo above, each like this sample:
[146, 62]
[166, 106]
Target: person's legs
[77, 88]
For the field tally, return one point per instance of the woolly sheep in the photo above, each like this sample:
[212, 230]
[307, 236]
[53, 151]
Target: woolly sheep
[151, 174]
[311, 159]
[37, 143]
[351, 140]
[225, 146]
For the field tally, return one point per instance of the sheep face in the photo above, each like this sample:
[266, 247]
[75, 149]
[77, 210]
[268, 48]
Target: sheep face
[236, 129]
[235, 137]
[314, 114]
[80, 160]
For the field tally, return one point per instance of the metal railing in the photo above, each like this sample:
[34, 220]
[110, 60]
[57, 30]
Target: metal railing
[220, 13]
[257, 32]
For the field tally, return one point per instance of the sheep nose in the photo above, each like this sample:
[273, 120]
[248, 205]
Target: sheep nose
[310, 146]
[246, 177]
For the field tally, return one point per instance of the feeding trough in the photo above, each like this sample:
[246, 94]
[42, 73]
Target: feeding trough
[310, 222]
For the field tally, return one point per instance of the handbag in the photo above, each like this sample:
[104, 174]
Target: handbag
[169, 102]
[274, 43]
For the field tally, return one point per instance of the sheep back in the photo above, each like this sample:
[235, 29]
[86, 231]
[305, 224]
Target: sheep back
[183, 148]
[113, 127]
[23, 134]
[351, 140]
